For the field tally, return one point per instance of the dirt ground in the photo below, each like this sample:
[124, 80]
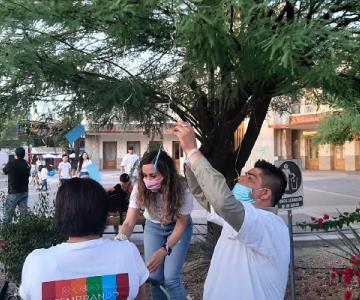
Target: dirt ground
[312, 270]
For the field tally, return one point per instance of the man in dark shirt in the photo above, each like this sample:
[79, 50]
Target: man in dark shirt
[18, 171]
[119, 195]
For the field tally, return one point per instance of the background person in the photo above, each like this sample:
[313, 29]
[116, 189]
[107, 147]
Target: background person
[84, 161]
[251, 258]
[129, 164]
[64, 169]
[86, 261]
[119, 195]
[43, 178]
[168, 228]
[18, 171]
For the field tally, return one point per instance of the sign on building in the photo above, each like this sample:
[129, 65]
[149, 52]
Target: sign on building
[294, 194]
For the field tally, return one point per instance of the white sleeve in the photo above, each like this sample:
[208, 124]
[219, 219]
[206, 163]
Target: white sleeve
[188, 204]
[141, 269]
[124, 161]
[26, 275]
[256, 231]
[133, 196]
[213, 217]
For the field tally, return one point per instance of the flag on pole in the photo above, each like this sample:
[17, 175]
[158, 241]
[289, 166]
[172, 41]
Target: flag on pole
[75, 133]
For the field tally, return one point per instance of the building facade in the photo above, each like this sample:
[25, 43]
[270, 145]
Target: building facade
[107, 147]
[290, 136]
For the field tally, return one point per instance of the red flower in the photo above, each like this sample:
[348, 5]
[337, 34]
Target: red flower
[326, 217]
[320, 221]
[355, 259]
[347, 279]
[347, 295]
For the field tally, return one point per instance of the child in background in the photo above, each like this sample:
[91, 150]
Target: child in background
[43, 178]
[64, 172]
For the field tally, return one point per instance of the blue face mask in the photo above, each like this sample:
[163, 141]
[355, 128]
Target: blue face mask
[242, 193]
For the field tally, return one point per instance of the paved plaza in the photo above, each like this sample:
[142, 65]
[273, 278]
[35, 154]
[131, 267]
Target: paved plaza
[324, 192]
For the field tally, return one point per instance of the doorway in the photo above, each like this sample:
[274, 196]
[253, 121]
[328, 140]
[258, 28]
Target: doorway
[109, 154]
[312, 154]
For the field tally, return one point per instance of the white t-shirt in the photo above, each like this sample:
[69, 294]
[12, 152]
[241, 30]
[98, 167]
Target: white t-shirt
[251, 264]
[85, 164]
[78, 270]
[128, 162]
[185, 209]
[64, 168]
[43, 173]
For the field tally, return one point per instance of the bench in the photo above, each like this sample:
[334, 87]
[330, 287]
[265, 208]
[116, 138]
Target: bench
[116, 219]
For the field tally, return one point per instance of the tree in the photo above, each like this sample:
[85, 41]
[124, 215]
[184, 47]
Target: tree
[213, 63]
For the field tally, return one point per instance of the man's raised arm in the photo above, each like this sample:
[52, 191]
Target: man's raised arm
[211, 182]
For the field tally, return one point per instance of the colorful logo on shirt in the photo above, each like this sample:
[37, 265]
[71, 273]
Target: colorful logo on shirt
[109, 287]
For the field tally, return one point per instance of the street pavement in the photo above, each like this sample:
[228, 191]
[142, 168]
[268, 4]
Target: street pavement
[324, 192]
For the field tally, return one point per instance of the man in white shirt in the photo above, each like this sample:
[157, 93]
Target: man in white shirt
[252, 255]
[129, 164]
[64, 167]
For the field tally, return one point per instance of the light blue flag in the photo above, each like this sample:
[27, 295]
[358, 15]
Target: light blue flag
[75, 133]
[94, 172]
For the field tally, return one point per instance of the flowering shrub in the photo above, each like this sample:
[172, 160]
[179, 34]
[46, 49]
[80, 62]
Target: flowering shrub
[348, 276]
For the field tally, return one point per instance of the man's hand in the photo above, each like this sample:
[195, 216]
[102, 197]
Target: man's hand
[186, 136]
[156, 260]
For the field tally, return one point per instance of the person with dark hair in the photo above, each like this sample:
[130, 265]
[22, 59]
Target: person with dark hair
[18, 171]
[84, 161]
[119, 195]
[251, 258]
[64, 169]
[86, 265]
[130, 163]
[167, 201]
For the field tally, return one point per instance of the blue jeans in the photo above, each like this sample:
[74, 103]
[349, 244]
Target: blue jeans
[12, 200]
[84, 175]
[44, 185]
[168, 273]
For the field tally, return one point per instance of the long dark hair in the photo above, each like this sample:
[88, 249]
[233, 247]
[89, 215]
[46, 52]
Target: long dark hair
[81, 159]
[172, 188]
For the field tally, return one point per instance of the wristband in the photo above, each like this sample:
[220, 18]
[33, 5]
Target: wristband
[191, 152]
[120, 237]
[167, 249]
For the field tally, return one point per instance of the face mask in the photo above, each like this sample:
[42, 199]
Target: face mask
[153, 184]
[242, 193]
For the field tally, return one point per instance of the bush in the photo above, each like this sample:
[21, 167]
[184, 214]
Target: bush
[36, 229]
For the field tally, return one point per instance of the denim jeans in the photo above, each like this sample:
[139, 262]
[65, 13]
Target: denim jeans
[84, 175]
[12, 200]
[168, 273]
[44, 186]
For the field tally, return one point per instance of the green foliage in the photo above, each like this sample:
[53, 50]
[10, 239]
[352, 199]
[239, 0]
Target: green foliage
[337, 128]
[326, 223]
[34, 230]
[211, 62]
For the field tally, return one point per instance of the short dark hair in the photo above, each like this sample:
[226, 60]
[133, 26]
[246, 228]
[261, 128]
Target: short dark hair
[20, 152]
[64, 155]
[272, 178]
[81, 207]
[131, 147]
[124, 177]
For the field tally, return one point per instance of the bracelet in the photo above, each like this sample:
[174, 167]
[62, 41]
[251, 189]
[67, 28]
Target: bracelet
[120, 237]
[191, 152]
[167, 249]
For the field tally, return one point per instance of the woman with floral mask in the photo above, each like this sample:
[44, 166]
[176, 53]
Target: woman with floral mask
[167, 201]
